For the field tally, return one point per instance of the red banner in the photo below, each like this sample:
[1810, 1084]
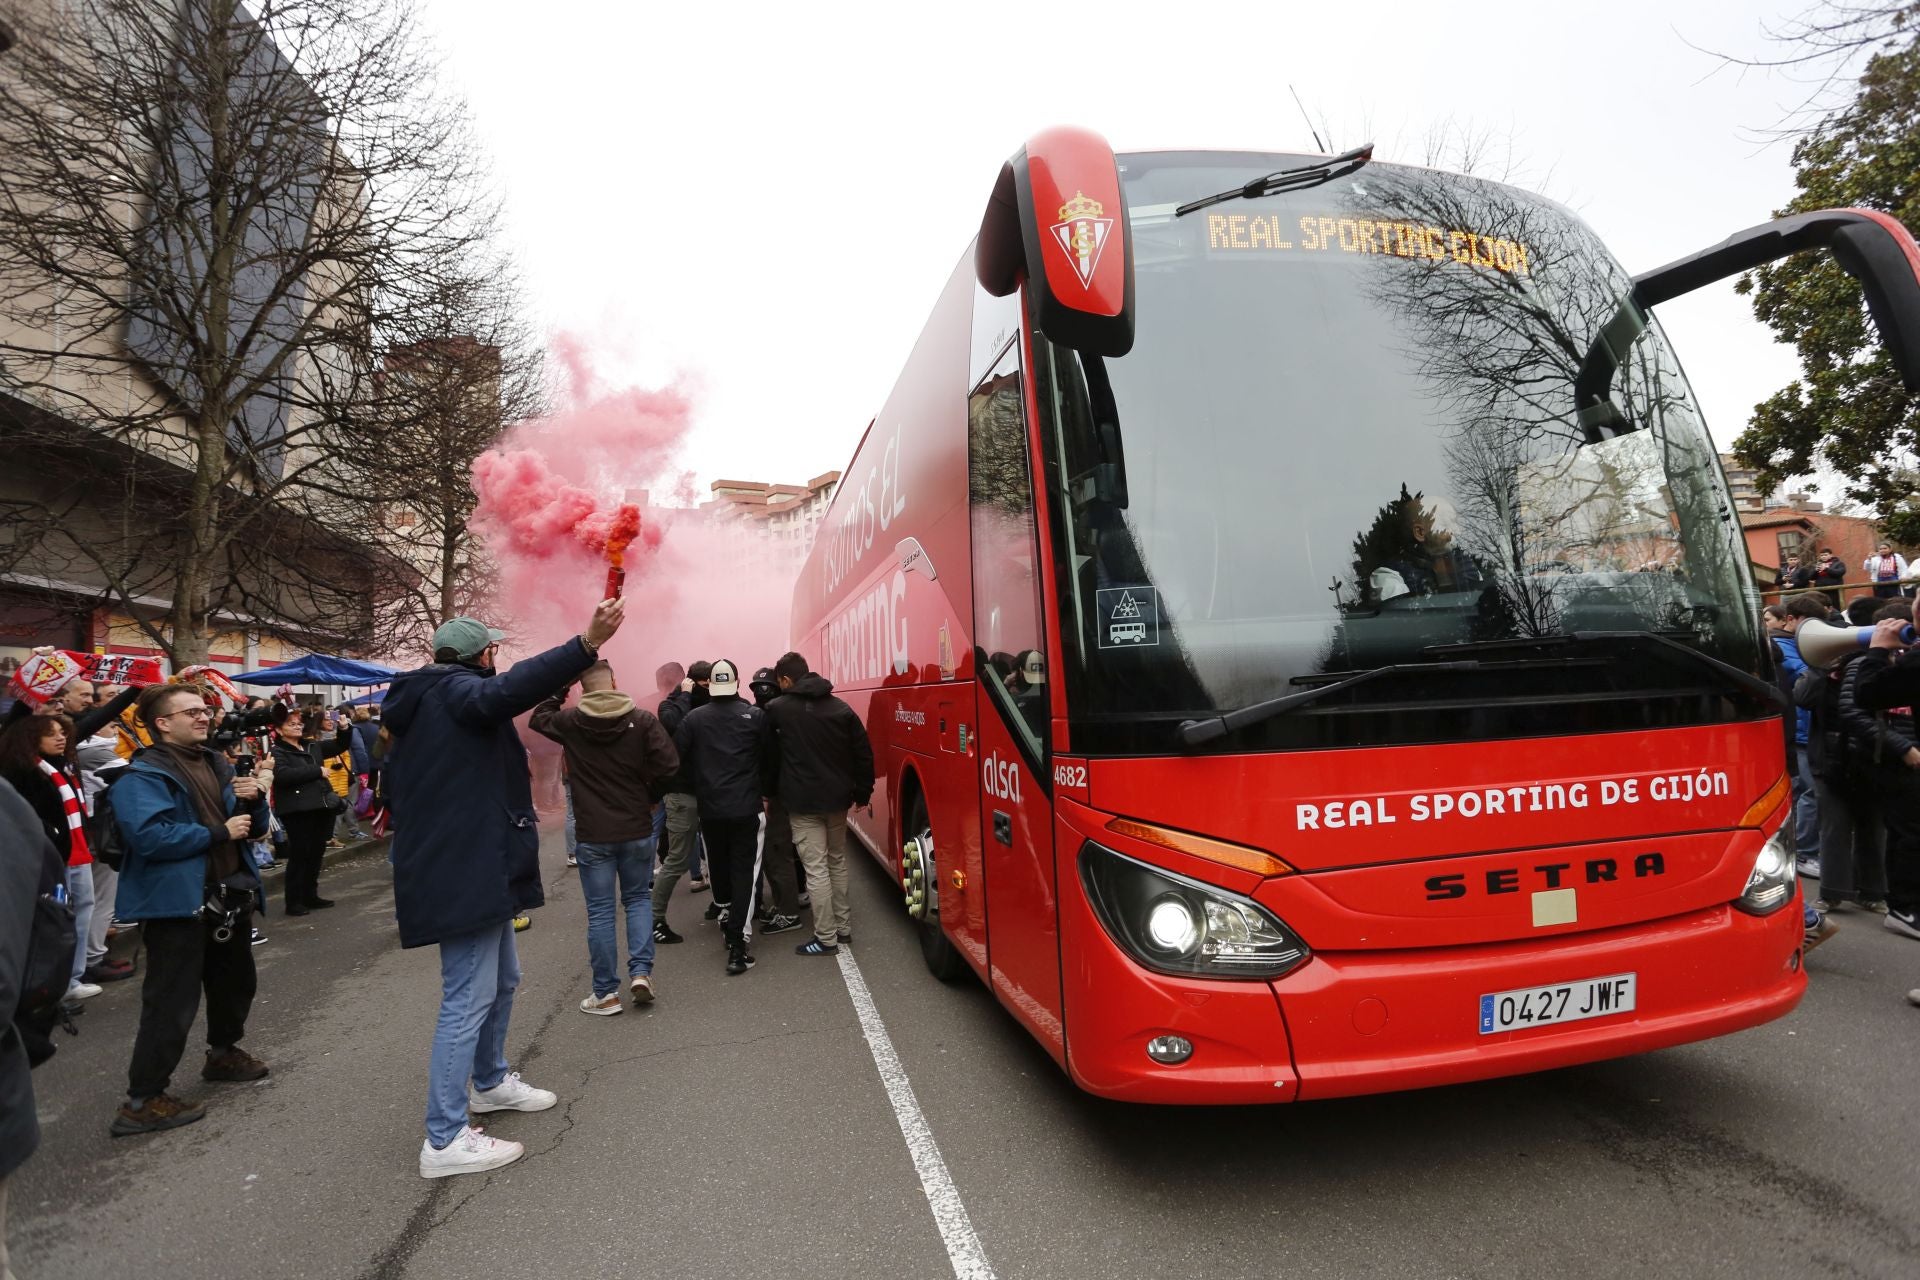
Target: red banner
[118, 668]
[41, 677]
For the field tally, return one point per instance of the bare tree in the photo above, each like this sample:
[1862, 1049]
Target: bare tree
[447, 391]
[211, 219]
[1821, 47]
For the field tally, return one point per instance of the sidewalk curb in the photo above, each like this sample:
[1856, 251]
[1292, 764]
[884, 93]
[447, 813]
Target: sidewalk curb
[354, 852]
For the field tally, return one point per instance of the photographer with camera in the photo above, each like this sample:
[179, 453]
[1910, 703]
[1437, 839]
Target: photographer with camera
[232, 729]
[305, 800]
[183, 817]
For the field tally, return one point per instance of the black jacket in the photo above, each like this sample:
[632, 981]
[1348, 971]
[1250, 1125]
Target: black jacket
[726, 757]
[825, 759]
[28, 868]
[43, 797]
[1878, 743]
[1888, 679]
[466, 854]
[673, 710]
[300, 782]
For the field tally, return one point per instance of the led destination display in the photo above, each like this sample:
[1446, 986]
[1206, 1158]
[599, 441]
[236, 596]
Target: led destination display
[1310, 233]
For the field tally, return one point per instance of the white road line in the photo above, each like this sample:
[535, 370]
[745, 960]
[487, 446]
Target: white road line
[956, 1229]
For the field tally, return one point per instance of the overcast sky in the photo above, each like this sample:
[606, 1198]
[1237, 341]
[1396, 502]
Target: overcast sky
[765, 199]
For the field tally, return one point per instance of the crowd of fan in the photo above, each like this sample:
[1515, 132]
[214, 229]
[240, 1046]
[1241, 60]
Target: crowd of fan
[1855, 753]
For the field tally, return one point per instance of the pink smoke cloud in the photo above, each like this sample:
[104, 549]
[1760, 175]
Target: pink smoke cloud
[552, 490]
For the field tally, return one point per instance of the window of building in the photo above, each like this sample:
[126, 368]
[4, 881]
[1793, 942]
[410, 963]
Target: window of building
[1790, 542]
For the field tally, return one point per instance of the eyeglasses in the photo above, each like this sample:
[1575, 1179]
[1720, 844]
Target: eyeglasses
[198, 713]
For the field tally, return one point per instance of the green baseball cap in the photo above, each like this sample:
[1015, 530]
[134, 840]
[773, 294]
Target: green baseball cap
[464, 637]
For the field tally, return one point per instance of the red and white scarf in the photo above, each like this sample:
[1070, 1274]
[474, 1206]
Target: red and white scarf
[71, 801]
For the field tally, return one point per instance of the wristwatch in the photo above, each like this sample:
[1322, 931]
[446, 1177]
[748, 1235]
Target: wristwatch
[589, 646]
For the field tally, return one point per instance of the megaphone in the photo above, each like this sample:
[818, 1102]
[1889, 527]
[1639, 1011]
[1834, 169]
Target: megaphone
[1822, 644]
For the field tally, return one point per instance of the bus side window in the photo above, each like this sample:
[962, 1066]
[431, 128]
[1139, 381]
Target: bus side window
[1007, 624]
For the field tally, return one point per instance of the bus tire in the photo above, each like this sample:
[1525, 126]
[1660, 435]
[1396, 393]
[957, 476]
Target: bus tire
[942, 958]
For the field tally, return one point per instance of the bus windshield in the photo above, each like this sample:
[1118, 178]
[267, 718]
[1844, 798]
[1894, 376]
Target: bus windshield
[1348, 437]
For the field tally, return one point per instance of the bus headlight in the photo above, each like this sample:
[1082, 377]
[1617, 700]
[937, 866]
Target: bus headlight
[1771, 883]
[1175, 925]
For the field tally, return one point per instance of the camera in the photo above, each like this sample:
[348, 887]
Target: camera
[243, 766]
[237, 725]
[226, 905]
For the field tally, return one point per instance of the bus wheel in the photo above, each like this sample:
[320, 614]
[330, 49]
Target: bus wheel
[921, 889]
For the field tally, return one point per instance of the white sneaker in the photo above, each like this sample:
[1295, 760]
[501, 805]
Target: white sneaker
[84, 990]
[511, 1094]
[471, 1151]
[605, 1006]
[642, 989]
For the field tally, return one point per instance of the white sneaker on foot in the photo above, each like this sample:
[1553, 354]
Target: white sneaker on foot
[511, 1094]
[605, 1006]
[471, 1151]
[84, 990]
[642, 988]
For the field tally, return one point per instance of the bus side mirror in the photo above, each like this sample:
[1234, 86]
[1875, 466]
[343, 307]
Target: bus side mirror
[1056, 221]
[1887, 266]
[1872, 247]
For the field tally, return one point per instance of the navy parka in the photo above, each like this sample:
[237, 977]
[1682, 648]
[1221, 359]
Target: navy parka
[465, 848]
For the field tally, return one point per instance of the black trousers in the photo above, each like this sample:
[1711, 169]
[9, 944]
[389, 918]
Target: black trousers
[307, 835]
[733, 864]
[779, 860]
[1903, 842]
[182, 961]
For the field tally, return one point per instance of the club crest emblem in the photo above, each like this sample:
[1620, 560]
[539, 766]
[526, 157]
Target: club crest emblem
[1082, 233]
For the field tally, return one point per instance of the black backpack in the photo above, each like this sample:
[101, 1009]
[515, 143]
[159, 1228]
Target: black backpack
[103, 827]
[49, 968]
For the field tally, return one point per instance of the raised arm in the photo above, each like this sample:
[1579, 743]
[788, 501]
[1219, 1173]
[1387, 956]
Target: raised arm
[90, 721]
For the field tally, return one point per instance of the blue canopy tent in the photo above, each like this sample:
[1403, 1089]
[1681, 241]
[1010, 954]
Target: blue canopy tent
[368, 699]
[316, 669]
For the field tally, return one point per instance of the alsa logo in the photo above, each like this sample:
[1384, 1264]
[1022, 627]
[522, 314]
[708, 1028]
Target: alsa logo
[1546, 875]
[1082, 233]
[1000, 778]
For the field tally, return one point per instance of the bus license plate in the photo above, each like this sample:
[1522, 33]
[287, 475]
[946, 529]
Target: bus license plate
[1559, 1002]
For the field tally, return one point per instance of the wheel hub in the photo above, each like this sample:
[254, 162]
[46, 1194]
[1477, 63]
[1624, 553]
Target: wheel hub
[916, 866]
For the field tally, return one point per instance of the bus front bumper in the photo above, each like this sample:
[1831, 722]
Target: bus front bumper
[1372, 1022]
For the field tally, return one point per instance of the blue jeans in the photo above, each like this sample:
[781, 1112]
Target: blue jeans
[478, 975]
[1806, 807]
[631, 863]
[80, 898]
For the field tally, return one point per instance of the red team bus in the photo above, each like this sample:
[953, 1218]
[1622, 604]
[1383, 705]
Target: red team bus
[1305, 634]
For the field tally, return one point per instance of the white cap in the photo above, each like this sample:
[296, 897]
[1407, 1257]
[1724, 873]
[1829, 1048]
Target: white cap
[724, 681]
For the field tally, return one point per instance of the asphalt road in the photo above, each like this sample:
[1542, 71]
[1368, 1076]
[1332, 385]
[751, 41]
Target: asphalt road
[740, 1128]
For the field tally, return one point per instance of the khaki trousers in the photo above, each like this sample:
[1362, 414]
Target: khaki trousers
[822, 841]
[683, 835]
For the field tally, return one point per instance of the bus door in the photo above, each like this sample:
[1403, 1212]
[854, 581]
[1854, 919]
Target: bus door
[1012, 713]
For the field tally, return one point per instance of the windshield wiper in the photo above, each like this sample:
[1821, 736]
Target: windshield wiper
[1195, 732]
[1765, 691]
[1311, 175]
